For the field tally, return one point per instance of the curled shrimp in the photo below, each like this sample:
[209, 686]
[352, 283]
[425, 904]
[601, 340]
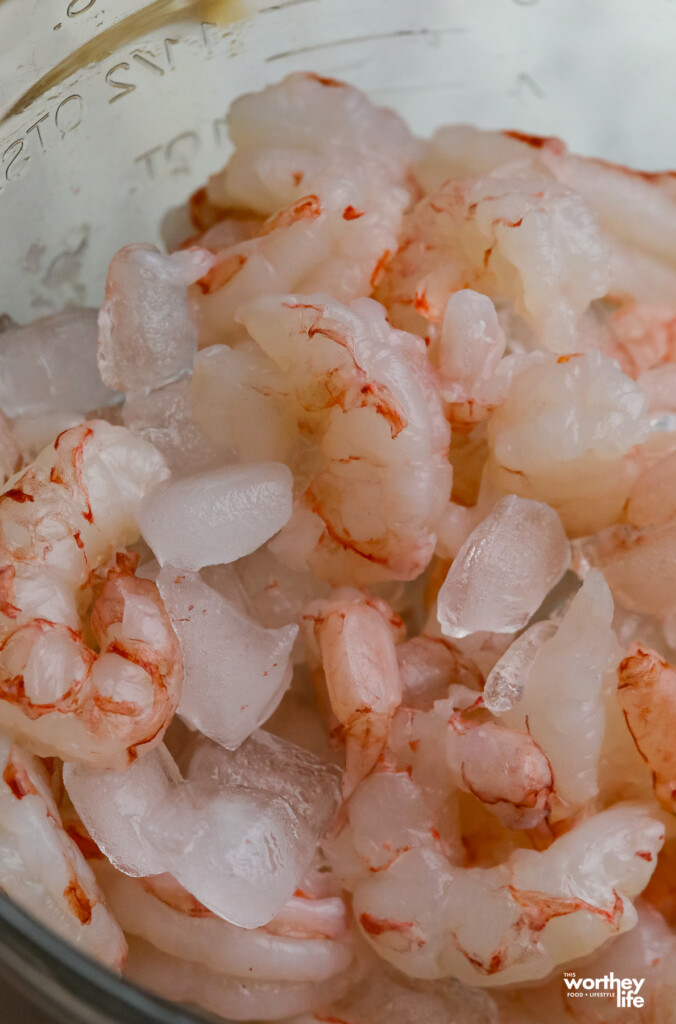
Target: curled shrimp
[641, 337]
[513, 922]
[647, 695]
[232, 998]
[369, 421]
[633, 555]
[61, 521]
[446, 750]
[42, 869]
[298, 946]
[332, 186]
[506, 770]
[352, 638]
[564, 435]
[489, 234]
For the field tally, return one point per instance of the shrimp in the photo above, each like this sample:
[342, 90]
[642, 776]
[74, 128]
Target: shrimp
[313, 948]
[352, 638]
[636, 209]
[564, 435]
[287, 135]
[506, 770]
[42, 869]
[641, 337]
[647, 695]
[448, 750]
[634, 555]
[494, 235]
[562, 706]
[232, 998]
[428, 666]
[387, 815]
[61, 521]
[384, 999]
[660, 892]
[333, 197]
[495, 926]
[645, 953]
[474, 377]
[369, 422]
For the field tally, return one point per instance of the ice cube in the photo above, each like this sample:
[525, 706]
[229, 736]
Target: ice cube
[217, 516]
[164, 418]
[236, 672]
[310, 785]
[113, 807]
[507, 679]
[225, 580]
[505, 569]
[50, 366]
[278, 593]
[147, 334]
[240, 852]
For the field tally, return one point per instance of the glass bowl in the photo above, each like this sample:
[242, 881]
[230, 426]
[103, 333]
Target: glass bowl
[112, 112]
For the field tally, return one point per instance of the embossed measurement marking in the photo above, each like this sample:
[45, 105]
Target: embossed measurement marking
[64, 117]
[175, 156]
[120, 76]
[76, 7]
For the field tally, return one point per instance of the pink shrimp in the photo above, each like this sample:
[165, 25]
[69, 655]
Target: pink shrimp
[428, 666]
[42, 868]
[368, 420]
[306, 947]
[447, 750]
[488, 234]
[61, 522]
[647, 695]
[641, 337]
[506, 770]
[352, 637]
[516, 921]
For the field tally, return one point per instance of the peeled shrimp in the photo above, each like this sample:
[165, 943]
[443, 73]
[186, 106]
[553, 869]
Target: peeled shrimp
[562, 705]
[61, 521]
[516, 921]
[641, 337]
[331, 183]
[354, 641]
[447, 750]
[564, 436]
[428, 666]
[287, 135]
[645, 953]
[506, 770]
[474, 377]
[647, 696]
[368, 418]
[230, 997]
[495, 235]
[636, 209]
[42, 868]
[173, 922]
